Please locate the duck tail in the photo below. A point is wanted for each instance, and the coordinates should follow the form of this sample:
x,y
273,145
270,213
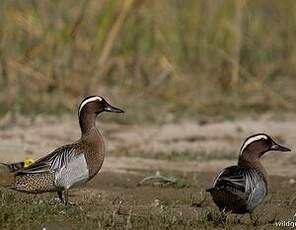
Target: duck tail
x,y
6,175
5,165
13,167
210,190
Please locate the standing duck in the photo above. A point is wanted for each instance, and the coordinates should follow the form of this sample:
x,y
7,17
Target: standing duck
x,y
241,188
70,165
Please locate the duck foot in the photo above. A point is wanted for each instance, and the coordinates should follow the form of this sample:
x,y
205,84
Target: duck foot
x,y
71,203
254,219
224,216
64,198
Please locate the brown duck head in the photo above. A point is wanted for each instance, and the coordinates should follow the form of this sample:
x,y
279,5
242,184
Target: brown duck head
x,y
89,108
256,145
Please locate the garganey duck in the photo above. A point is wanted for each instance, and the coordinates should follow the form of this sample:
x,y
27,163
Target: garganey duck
x,y
241,188
70,165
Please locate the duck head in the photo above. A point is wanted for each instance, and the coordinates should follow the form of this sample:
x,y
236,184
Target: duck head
x,y
256,145
96,105
89,108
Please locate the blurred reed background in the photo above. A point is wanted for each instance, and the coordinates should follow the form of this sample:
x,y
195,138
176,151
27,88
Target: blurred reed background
x,y
160,60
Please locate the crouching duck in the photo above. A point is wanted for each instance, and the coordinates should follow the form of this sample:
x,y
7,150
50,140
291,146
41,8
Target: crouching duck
x,y
70,165
241,188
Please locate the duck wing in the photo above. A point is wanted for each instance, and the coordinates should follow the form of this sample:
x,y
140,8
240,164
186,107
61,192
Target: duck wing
x,y
235,179
53,161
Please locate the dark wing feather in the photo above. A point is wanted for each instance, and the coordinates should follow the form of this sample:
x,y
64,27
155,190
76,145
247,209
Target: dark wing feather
x,y
234,179
51,162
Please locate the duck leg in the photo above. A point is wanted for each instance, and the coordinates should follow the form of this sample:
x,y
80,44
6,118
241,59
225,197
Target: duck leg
x,y
253,220
66,196
60,194
238,219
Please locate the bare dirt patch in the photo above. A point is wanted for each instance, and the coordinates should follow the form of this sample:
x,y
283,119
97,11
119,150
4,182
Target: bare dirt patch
x,y
190,152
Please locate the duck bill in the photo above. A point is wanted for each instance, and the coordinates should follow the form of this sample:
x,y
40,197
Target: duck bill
x,y
112,109
278,147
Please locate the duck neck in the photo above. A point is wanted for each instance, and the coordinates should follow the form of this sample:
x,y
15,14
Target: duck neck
x,y
248,161
248,156
87,121
251,161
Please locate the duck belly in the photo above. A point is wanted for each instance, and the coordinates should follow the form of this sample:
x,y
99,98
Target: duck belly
x,y
229,202
73,173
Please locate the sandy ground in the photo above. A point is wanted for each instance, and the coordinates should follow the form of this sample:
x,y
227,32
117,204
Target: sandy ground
x,y
190,152
29,138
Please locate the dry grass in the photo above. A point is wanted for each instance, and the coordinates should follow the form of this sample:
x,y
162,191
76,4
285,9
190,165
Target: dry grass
x,y
114,201
194,56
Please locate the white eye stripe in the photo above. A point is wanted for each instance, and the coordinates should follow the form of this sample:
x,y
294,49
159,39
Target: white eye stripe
x,y
251,140
91,99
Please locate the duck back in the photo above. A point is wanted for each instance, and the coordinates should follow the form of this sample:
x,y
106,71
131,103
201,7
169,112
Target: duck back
x,y
238,189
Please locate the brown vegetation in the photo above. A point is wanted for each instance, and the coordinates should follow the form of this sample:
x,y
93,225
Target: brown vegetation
x,y
193,56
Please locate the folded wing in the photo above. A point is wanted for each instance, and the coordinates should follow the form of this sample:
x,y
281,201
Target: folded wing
x,y
236,180
53,161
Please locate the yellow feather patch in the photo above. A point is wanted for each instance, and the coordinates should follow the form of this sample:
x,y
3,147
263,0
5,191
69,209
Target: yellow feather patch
x,y
28,162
